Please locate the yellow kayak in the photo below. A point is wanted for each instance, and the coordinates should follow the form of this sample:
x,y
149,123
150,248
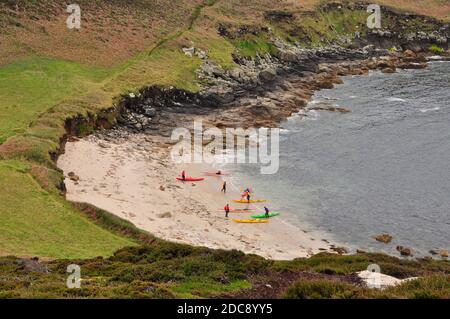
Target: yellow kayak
x,y
251,221
244,201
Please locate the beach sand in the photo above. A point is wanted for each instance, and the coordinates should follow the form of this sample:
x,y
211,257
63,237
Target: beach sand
x,y
134,178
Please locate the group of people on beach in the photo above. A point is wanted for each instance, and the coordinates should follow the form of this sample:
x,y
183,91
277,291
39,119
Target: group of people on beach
x,y
245,195
227,211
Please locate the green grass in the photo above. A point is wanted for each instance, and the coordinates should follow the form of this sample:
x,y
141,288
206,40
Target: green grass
x,y
166,65
345,264
31,86
254,46
321,289
436,49
34,222
436,286
37,94
198,287
168,270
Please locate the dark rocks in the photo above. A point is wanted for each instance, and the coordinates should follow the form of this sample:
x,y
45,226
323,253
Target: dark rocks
x,y
384,238
33,265
278,16
404,251
267,75
340,250
389,70
73,177
325,106
409,53
326,84
413,65
441,253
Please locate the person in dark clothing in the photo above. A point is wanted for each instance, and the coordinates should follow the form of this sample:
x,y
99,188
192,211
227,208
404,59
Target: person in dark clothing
x,y
183,175
248,197
224,187
227,210
267,211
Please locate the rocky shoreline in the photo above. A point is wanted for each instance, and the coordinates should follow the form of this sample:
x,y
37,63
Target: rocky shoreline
x,y
259,93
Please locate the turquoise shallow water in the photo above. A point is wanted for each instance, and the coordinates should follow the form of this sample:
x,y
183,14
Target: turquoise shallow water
x,y
383,168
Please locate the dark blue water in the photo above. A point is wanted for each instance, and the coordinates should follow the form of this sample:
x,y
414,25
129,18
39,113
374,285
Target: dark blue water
x,y
383,168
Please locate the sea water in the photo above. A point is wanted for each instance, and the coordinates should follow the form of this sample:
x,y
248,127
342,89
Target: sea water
x,y
382,168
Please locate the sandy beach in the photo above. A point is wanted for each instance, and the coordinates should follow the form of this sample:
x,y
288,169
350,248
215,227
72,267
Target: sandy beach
x,y
134,178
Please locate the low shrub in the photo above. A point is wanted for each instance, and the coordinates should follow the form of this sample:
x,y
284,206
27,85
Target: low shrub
x,y
436,49
322,289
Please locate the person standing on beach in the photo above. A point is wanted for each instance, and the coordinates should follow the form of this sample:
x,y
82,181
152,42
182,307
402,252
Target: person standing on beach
x,y
248,197
227,210
183,175
267,211
224,187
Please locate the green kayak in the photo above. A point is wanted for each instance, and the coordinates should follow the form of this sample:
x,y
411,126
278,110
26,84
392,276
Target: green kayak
x,y
264,215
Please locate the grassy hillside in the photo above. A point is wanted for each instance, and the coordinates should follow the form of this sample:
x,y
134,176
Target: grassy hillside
x,y
42,82
167,270
49,73
35,223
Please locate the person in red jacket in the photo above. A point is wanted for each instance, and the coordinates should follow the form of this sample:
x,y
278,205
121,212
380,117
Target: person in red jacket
x,y
227,210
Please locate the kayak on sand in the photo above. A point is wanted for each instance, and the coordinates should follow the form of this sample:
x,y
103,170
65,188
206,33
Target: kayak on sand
x,y
215,174
238,210
251,221
190,179
244,201
265,216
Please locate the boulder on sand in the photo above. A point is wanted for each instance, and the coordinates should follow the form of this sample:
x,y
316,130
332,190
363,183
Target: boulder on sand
x,y
73,177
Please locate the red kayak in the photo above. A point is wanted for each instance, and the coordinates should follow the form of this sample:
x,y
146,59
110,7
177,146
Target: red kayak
x,y
190,179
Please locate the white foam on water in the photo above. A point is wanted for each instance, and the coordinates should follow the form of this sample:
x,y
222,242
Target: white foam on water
x,y
435,57
312,115
395,99
431,109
